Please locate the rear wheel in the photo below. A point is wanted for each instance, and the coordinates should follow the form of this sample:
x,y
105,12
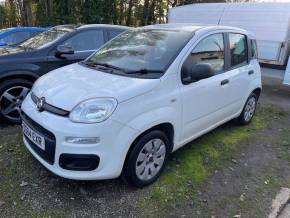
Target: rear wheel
x,y
12,94
147,159
248,110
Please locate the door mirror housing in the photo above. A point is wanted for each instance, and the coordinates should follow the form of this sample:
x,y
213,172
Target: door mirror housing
x,y
201,71
63,50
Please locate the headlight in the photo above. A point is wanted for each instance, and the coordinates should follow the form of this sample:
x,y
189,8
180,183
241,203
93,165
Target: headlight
x,y
93,110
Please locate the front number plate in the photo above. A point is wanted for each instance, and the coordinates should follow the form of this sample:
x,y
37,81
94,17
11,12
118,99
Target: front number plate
x,y
33,136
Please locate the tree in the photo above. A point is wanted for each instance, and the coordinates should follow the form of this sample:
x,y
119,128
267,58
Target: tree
x,y
2,16
129,14
12,14
43,13
27,19
55,12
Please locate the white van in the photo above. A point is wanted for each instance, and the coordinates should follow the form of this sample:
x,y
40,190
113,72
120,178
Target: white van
x,y
269,22
140,97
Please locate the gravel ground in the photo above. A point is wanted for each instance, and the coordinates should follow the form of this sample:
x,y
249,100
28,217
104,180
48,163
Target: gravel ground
x,y
244,186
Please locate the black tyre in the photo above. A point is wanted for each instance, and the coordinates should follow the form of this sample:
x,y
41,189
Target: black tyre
x,y
12,94
249,110
147,159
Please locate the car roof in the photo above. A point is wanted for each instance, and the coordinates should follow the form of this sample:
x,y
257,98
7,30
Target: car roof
x,y
73,27
104,25
174,26
191,27
16,29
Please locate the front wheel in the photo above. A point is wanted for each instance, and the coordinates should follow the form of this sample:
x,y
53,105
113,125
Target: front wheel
x,y
147,159
12,94
248,110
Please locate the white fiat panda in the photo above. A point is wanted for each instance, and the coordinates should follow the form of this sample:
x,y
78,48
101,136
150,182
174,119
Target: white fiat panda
x,y
140,97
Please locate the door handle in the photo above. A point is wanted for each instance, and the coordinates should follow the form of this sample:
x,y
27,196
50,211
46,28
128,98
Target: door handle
x,y
224,82
251,72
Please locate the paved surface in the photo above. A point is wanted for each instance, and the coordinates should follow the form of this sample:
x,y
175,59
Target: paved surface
x,y
279,204
286,212
273,73
274,92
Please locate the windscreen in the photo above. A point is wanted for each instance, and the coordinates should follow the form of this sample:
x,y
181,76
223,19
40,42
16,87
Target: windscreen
x,y
142,50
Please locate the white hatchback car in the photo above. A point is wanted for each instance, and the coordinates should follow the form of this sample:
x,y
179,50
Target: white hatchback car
x,y
140,97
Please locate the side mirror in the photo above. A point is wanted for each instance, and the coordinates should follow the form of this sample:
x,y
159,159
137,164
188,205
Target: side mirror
x,y
63,50
201,71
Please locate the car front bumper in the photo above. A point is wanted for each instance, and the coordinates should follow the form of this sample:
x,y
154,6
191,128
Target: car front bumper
x,y
115,139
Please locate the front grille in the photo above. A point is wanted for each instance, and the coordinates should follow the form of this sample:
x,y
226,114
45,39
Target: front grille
x,y
50,142
50,108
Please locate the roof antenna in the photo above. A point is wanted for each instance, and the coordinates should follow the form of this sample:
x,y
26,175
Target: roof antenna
x,y
222,15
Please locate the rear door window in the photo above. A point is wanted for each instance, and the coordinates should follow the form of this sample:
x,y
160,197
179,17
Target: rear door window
x,y
238,49
86,41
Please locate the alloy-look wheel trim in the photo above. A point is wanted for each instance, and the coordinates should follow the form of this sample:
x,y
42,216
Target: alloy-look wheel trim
x,y
250,109
11,100
150,159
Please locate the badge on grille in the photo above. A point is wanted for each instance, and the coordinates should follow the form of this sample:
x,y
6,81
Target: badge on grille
x,y
40,103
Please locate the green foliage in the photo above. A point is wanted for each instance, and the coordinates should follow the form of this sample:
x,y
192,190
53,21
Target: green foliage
x,y
2,15
55,12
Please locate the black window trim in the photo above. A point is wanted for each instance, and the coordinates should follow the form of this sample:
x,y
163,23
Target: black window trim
x,y
230,67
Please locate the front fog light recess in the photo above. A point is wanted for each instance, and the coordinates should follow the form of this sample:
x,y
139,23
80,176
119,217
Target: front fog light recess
x,y
82,140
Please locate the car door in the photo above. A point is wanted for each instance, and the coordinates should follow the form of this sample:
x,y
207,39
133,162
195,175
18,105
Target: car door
x,y
204,101
83,43
240,71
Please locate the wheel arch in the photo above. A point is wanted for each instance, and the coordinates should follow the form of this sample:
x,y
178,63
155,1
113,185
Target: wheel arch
x,y
19,75
165,127
257,91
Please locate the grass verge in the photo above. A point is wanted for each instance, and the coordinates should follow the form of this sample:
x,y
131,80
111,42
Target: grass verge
x,y
191,165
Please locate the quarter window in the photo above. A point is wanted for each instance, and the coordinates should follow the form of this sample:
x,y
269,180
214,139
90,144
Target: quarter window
x,y
85,41
238,49
253,47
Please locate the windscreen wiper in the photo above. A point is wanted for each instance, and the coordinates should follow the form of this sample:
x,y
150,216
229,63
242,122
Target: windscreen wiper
x,y
89,63
144,71
107,66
